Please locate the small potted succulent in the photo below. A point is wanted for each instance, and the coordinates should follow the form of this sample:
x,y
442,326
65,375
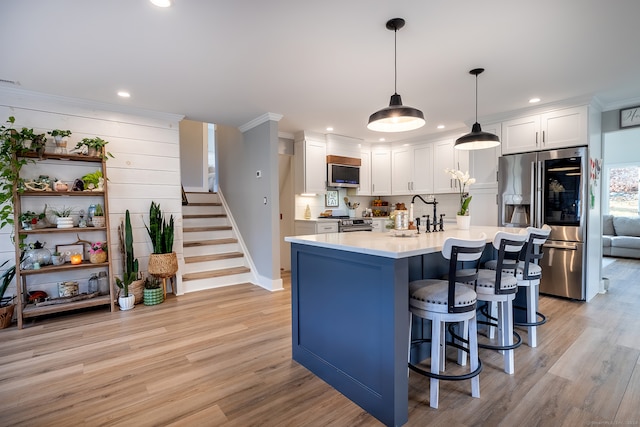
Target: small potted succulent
x,y
64,219
98,219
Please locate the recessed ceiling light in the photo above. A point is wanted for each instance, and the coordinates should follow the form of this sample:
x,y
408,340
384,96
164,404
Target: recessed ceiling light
x,y
162,3
124,94
534,100
329,129
382,140
440,126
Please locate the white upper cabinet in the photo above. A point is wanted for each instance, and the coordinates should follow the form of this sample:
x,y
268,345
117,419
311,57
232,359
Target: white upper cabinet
x,y
310,160
380,171
483,164
365,176
401,170
412,168
556,129
445,156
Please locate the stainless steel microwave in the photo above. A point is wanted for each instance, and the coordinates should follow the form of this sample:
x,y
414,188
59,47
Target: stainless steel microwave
x,y
343,175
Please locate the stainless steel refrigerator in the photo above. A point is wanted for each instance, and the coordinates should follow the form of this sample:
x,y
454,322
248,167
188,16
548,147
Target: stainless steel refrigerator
x,y
550,187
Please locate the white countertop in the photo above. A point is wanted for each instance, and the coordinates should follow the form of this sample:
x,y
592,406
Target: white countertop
x,y
389,246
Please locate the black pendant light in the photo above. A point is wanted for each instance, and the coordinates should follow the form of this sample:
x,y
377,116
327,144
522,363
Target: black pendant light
x,y
396,117
477,139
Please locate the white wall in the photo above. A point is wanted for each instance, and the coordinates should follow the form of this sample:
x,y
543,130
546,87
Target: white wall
x,y
146,166
194,155
241,154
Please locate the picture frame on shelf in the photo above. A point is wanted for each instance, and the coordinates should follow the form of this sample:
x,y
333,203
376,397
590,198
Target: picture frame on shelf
x,y
68,250
630,117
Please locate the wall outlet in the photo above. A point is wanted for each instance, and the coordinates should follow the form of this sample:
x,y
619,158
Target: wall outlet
x,y
258,174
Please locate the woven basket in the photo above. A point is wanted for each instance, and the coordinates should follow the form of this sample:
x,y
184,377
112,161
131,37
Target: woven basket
x,y
163,265
6,316
136,288
153,296
98,257
99,221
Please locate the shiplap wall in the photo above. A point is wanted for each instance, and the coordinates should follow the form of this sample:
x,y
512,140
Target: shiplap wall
x,y
145,167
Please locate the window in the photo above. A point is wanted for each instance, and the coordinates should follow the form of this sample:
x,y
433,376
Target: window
x,y
623,190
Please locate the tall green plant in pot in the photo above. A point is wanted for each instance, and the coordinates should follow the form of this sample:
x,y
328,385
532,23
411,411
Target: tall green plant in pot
x,y
163,262
126,300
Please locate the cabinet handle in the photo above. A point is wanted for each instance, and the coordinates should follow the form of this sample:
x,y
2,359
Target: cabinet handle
x,y
373,188
536,139
543,138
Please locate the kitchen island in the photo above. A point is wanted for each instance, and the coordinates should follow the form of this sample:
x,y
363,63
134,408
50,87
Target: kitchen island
x,y
350,309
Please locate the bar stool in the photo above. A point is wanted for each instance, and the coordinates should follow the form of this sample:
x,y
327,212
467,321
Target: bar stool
x,y
528,273
499,286
443,301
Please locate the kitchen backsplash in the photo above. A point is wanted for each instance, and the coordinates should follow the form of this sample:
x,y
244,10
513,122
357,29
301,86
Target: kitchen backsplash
x,y
447,204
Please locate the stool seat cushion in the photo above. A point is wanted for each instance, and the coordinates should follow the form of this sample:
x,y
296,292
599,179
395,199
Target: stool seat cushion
x,y
534,269
487,281
431,295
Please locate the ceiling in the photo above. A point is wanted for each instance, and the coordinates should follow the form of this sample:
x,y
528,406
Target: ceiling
x,y
324,63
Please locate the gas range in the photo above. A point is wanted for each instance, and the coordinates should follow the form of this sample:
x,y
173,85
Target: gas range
x,y
354,224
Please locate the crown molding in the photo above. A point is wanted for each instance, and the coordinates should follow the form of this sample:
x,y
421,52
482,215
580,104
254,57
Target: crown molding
x,y
260,120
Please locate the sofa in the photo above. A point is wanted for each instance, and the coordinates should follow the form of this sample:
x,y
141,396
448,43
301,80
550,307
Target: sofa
x,y
621,236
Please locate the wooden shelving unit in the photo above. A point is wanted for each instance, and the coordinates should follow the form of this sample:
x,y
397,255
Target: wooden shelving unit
x,y
51,165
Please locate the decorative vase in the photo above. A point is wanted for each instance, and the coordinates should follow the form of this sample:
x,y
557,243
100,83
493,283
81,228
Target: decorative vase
x,y
153,296
127,303
98,221
64,222
463,222
98,257
163,265
92,152
61,145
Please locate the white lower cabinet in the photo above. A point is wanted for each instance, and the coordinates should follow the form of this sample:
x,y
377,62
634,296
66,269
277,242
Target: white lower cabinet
x,y
305,227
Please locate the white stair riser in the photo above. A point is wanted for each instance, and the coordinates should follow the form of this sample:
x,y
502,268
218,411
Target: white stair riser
x,y
197,267
211,249
202,198
200,210
198,236
215,282
205,222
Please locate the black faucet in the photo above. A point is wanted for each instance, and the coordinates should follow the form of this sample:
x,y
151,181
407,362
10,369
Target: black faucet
x,y
435,213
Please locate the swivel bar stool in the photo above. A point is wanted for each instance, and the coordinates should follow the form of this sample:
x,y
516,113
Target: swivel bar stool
x,y
442,301
528,273
499,286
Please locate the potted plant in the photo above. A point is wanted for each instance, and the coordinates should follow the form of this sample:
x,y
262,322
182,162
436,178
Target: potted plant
x,y
10,166
93,181
152,291
163,262
98,252
98,219
60,139
126,299
462,216
64,219
57,258
93,147
29,219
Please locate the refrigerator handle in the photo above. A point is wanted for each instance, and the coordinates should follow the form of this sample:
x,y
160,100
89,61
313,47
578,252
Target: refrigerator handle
x,y
539,191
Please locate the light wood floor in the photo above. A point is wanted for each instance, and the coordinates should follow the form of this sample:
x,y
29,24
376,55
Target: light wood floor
x,y
223,358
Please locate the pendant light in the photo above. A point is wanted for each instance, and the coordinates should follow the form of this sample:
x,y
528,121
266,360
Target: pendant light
x,y
396,117
477,139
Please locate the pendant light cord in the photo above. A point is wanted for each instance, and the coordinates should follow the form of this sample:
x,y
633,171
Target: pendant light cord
x,y
395,60
476,98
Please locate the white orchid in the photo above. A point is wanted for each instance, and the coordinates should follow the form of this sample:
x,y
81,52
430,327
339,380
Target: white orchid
x,y
463,180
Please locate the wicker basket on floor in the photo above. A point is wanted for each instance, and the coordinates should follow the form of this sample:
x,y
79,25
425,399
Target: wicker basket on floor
x,y
6,316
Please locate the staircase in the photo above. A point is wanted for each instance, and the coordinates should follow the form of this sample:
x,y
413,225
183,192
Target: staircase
x,y
212,254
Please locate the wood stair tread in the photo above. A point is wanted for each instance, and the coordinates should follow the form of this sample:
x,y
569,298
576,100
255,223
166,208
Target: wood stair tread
x,y
209,242
204,204
215,273
211,228
212,257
